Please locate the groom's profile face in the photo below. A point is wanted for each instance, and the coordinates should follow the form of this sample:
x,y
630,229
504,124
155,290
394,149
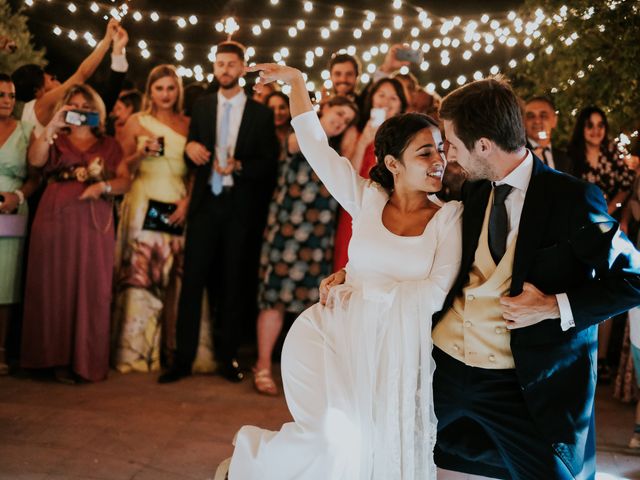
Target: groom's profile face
x,y
476,165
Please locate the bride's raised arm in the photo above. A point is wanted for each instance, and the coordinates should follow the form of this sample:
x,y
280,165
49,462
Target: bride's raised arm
x,y
336,172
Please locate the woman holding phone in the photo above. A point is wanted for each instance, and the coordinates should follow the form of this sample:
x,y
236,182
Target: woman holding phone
x,y
68,289
386,99
150,240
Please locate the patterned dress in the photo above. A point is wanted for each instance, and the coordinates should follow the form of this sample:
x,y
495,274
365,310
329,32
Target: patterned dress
x,y
298,248
148,263
611,175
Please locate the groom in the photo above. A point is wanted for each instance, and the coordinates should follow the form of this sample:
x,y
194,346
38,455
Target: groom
x,y
542,264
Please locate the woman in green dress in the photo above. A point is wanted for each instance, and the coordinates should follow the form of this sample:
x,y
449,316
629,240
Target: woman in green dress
x,y
16,184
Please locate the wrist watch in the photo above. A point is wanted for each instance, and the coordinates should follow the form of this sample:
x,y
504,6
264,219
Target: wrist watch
x,y
106,188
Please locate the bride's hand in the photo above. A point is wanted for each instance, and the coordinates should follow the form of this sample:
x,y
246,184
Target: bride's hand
x,y
272,72
332,280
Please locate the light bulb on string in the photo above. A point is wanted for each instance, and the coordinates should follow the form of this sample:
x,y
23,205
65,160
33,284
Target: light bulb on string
x,y
445,84
193,20
256,30
431,87
72,8
300,24
154,16
339,12
181,22
266,24
357,33
424,66
293,31
319,51
308,6
94,7
137,16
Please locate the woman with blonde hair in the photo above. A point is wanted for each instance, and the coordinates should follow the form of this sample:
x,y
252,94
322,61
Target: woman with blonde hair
x,y
150,237
68,289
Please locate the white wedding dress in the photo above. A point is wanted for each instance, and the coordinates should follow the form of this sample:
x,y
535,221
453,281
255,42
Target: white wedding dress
x,y
357,373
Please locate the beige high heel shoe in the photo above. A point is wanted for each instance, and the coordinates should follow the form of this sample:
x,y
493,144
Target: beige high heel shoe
x,y
222,472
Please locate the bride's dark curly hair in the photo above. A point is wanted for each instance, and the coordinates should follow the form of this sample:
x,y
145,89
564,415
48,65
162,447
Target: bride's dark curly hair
x,y
392,138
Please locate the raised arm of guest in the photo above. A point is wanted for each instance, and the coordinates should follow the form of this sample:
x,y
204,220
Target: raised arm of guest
x,y
119,68
45,105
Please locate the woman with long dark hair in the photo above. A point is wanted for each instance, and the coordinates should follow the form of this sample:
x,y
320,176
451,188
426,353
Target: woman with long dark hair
x,y
595,161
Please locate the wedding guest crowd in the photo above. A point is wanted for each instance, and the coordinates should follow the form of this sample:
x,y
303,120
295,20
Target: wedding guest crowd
x,y
221,215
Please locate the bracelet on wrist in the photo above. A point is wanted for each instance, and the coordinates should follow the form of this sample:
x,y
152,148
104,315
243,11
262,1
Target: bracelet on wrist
x,y
18,193
106,188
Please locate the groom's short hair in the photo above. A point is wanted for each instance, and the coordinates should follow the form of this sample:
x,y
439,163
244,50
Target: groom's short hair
x,y
486,108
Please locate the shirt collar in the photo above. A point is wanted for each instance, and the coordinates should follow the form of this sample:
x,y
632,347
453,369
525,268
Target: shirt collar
x,y
521,175
535,144
236,100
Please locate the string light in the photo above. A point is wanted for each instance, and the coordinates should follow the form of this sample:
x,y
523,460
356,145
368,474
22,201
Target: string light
x,y
482,33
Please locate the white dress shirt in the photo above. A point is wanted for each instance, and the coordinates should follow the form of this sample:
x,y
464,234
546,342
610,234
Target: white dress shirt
x,y
519,179
238,103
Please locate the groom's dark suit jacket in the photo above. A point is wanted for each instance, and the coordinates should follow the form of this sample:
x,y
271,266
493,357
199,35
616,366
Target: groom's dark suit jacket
x,y
567,243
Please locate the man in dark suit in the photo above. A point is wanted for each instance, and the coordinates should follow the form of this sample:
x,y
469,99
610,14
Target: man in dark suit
x,y
233,149
540,120
542,264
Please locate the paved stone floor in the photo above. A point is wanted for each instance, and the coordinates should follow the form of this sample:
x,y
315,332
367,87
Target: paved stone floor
x,y
131,428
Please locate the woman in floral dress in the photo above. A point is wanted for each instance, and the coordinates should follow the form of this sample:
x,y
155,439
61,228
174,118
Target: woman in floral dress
x,y
298,246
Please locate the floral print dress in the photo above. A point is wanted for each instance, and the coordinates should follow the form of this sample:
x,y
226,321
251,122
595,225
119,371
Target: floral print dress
x,y
611,175
298,248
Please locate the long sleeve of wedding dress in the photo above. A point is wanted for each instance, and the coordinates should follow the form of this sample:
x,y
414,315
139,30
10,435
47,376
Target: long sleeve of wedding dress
x,y
336,172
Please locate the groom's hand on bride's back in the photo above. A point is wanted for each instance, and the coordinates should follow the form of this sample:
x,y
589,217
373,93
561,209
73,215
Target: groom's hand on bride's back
x,y
331,281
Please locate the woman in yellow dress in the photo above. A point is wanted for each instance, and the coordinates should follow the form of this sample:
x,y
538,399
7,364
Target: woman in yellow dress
x,y
149,251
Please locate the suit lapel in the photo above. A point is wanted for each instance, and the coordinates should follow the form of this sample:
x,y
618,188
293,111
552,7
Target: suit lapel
x,y
210,128
475,206
534,211
243,131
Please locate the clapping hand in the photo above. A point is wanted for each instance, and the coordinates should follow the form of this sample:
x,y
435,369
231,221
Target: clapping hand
x,y
228,169
112,30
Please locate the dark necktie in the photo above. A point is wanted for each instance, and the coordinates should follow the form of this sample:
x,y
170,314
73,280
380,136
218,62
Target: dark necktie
x,y
498,223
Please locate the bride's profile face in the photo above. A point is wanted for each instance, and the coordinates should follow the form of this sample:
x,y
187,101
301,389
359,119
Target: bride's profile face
x,y
423,164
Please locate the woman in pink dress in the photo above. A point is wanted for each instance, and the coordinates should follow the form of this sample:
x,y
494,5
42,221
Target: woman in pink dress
x,y
68,290
386,95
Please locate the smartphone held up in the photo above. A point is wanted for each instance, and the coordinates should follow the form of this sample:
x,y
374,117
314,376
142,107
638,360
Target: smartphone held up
x,y
82,118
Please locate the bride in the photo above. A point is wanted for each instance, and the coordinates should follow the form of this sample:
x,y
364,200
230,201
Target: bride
x,y
357,372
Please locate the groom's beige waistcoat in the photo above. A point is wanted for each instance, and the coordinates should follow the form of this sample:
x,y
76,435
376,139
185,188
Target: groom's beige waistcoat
x,y
473,330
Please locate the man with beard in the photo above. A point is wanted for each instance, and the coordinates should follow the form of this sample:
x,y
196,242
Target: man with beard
x,y
542,265
233,151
